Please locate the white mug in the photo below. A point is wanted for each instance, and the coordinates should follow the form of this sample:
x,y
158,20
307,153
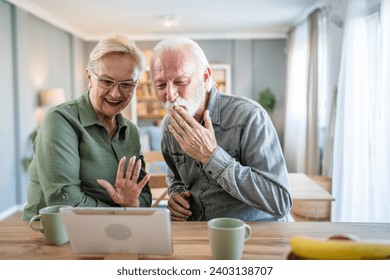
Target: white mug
x,y
227,237
52,226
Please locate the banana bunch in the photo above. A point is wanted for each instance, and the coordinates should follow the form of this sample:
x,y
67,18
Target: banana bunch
x,y
339,249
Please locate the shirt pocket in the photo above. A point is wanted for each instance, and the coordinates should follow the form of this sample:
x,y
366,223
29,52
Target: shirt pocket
x,y
180,163
179,158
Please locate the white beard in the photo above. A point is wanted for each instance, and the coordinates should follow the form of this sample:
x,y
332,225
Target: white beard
x,y
192,104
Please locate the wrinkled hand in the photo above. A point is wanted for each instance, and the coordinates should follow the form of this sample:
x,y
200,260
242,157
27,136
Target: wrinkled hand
x,y
179,206
197,141
126,190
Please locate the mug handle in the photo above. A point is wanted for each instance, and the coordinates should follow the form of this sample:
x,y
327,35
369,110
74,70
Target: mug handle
x,y
248,232
33,219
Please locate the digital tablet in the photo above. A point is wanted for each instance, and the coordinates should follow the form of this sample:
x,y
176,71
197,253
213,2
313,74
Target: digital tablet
x,y
109,230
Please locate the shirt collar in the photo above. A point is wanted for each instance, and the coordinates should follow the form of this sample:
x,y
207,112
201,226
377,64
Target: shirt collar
x,y
87,114
213,106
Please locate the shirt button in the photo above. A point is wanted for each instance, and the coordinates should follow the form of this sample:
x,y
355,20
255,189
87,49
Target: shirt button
x,y
65,196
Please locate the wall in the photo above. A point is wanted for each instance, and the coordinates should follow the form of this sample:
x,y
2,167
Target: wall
x,y
35,56
269,70
8,136
79,64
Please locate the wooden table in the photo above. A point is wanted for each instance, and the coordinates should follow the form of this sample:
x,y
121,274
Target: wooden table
x,y
269,241
304,188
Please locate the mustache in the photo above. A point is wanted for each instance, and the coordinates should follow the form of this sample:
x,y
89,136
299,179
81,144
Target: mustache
x,y
177,102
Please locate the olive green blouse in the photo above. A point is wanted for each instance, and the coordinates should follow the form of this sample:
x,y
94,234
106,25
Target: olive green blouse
x,y
72,151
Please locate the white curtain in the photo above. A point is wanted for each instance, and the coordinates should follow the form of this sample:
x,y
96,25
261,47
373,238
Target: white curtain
x,y
361,177
296,98
306,89
384,102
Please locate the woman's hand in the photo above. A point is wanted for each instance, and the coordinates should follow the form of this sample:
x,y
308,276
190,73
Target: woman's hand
x,y
126,190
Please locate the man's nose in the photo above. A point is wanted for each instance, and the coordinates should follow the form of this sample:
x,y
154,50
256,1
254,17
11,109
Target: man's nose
x,y
172,92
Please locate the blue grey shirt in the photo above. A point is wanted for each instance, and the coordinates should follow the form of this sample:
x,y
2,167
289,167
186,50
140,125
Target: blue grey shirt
x,y
246,176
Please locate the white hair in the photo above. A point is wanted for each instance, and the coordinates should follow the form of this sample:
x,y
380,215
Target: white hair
x,y
194,48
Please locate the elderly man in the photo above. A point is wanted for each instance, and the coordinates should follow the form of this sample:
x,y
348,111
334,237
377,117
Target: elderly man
x,y
222,151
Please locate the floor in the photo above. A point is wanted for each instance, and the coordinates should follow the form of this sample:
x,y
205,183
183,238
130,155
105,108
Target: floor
x,y
15,217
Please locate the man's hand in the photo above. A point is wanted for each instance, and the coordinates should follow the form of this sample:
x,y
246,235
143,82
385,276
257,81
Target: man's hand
x,y
197,141
179,206
126,190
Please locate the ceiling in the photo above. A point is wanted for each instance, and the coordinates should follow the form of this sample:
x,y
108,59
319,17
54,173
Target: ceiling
x,y
198,19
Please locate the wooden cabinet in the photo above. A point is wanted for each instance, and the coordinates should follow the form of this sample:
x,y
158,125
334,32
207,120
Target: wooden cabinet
x,y
145,107
148,105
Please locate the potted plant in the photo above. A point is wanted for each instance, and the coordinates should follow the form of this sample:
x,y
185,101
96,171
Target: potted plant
x,y
267,99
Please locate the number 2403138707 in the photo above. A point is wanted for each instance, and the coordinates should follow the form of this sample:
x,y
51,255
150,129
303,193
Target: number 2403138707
x,y
252,270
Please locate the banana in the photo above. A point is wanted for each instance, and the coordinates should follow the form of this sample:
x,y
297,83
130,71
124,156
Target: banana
x,y
311,248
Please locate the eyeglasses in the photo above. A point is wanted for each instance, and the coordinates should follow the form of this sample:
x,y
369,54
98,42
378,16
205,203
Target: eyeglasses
x,y
125,86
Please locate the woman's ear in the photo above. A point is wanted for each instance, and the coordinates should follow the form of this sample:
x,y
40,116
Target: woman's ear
x,y
88,76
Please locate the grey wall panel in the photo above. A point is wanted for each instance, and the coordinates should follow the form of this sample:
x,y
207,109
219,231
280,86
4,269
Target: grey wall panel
x,y
80,61
242,68
44,61
8,186
269,58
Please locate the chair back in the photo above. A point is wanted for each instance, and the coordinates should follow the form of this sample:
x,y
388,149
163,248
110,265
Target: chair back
x,y
157,182
152,158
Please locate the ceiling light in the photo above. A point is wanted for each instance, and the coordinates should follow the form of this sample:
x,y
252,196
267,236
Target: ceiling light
x,y
170,21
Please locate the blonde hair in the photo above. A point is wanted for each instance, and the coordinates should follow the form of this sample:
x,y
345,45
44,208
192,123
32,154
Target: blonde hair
x,y
120,43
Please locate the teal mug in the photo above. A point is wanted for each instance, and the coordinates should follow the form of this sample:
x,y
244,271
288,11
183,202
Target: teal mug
x,y
52,226
227,238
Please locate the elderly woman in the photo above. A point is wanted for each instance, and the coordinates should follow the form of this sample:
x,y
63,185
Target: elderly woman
x,y
86,152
